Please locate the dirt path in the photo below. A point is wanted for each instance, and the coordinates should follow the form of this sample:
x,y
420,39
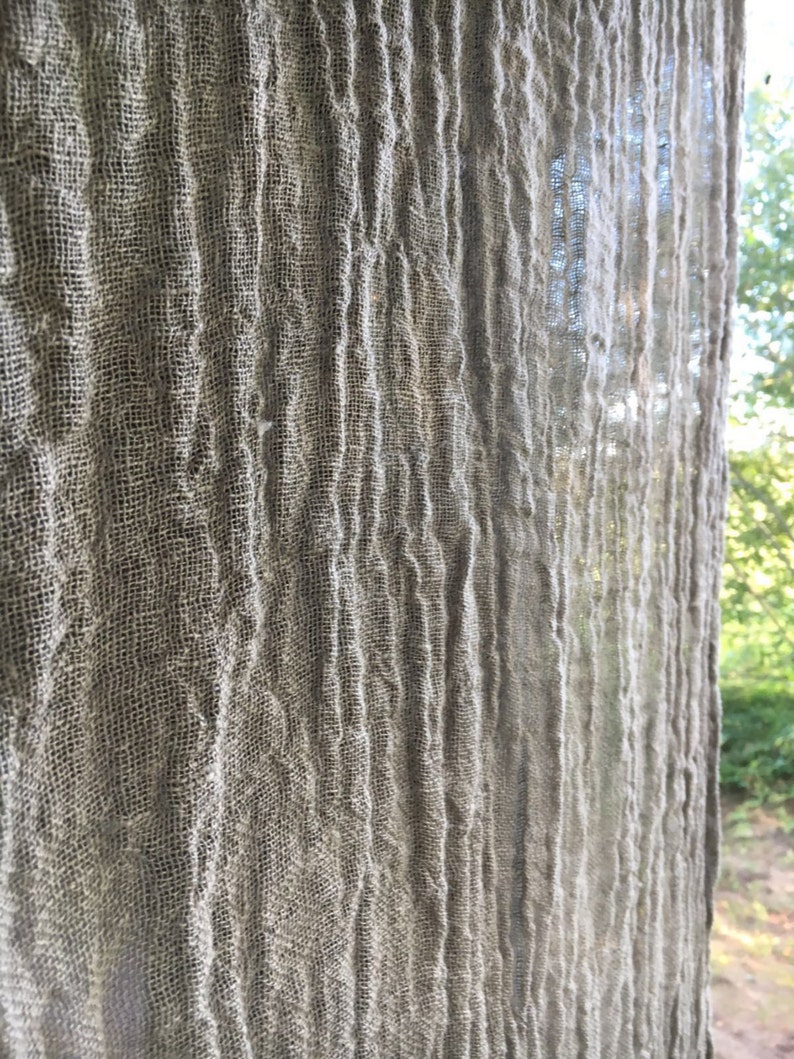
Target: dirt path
x,y
752,951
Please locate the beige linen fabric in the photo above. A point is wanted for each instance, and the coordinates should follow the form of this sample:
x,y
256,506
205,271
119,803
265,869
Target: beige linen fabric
x,y
363,381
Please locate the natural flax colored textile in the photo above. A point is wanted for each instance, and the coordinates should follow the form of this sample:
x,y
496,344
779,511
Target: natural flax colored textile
x,y
364,369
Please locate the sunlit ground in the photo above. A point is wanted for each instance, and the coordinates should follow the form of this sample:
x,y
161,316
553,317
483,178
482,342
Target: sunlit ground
x,y
753,937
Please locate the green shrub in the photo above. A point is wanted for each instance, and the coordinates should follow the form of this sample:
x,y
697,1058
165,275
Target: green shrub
x,y
758,738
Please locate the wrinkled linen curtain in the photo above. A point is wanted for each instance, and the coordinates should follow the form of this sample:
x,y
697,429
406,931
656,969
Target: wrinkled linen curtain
x,y
363,384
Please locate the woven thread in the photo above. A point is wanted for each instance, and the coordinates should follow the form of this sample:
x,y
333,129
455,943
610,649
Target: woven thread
x,y
363,386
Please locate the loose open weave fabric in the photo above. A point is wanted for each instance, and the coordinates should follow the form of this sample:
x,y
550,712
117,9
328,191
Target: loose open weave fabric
x,y
363,384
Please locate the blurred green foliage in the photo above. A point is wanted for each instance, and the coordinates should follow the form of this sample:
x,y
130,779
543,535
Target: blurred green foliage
x,y
766,276
757,660
758,577
758,739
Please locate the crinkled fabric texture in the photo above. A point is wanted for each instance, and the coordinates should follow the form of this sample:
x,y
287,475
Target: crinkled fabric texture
x,y
363,384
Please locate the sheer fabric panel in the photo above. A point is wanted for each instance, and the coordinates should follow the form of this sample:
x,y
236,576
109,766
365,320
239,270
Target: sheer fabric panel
x,y
363,384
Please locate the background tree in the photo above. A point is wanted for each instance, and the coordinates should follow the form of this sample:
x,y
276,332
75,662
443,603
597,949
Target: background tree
x,y
766,283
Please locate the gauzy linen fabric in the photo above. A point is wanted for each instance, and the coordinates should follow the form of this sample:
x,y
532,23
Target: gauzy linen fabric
x,y
363,382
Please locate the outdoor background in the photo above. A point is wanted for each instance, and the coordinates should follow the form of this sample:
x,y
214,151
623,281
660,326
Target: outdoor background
x,y
753,941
